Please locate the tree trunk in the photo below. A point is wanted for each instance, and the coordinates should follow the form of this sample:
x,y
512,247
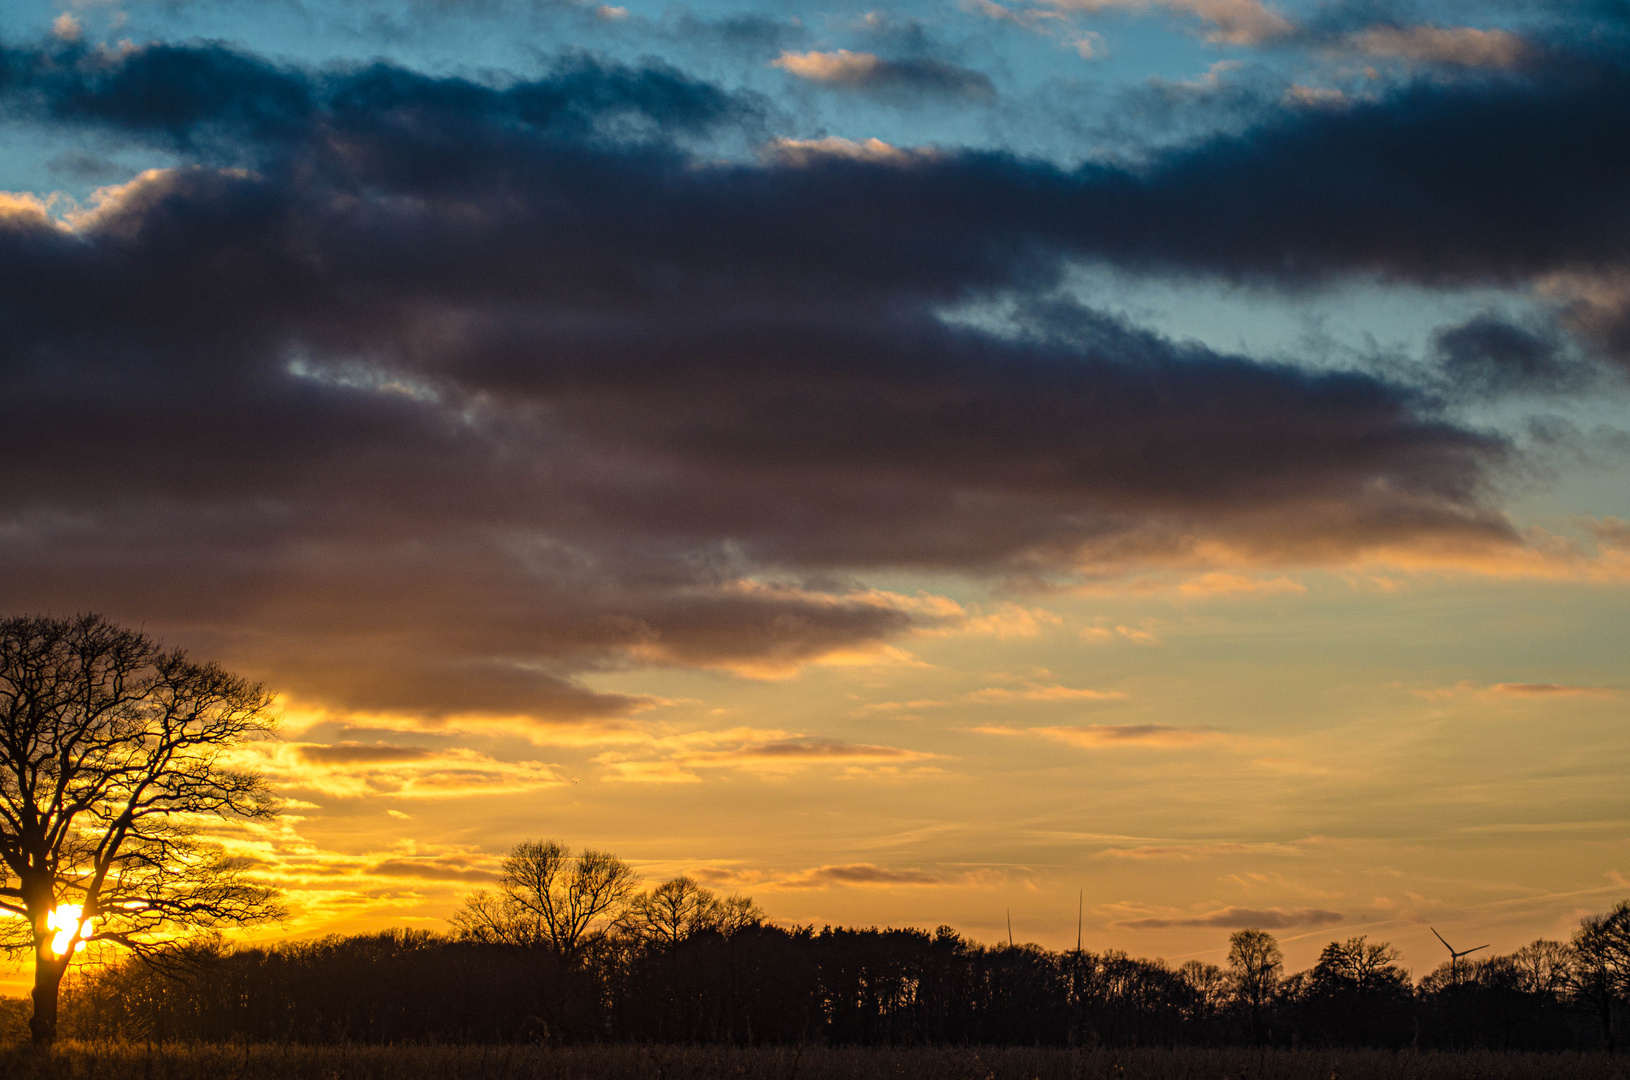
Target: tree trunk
x,y
48,972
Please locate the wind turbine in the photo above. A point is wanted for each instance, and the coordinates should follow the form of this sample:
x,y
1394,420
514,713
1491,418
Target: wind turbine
x,y
1454,957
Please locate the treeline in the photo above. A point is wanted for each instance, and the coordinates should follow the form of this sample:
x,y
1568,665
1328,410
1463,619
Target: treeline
x,y
568,950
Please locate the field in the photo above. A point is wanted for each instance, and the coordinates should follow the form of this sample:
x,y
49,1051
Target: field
x,y
126,1061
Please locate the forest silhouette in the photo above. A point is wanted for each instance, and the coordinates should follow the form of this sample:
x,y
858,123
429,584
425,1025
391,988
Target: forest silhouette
x,y
567,950
115,750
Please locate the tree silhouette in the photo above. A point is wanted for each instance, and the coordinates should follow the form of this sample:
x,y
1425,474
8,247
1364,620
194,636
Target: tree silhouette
x,y
679,909
551,899
1600,974
1255,962
558,910
112,752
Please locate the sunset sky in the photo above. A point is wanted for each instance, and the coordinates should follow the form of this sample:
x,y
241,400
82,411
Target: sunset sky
x,y
913,465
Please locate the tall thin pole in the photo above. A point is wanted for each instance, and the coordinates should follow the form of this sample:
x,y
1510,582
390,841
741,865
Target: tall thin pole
x,y
1080,899
1010,928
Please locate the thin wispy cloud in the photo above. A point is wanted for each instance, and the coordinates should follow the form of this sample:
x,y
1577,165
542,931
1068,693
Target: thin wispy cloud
x,y
1462,45
860,874
1198,851
1518,691
1038,692
683,757
1552,690
1235,22
355,770
1239,918
872,74
1092,736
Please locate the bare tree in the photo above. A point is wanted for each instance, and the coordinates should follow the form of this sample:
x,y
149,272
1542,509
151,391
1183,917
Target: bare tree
x,y
1255,964
678,909
114,752
1359,964
1542,967
549,898
1210,986
1600,973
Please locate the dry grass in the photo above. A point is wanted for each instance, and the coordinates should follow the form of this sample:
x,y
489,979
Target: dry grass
x,y
127,1061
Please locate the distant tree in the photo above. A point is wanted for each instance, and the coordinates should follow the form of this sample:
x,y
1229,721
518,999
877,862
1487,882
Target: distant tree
x,y
1359,964
1542,967
1600,973
113,753
560,910
672,912
1255,964
1358,995
679,909
1210,987
549,898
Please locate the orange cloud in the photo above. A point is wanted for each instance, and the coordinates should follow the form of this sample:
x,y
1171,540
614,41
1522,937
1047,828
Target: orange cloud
x,y
1220,583
841,66
1098,635
1197,851
1096,735
801,152
1551,690
354,770
673,759
1042,692
1235,22
1468,688
1038,692
1463,45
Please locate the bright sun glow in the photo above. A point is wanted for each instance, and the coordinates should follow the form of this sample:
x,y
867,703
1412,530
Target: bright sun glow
x,y
66,922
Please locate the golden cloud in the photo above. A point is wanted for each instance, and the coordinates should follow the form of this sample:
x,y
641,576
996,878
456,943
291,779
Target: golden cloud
x,y
672,759
1531,690
1188,852
819,877
1220,583
351,770
1038,692
1097,735
1553,690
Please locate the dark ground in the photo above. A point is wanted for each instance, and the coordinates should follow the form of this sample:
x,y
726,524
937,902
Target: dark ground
x,y
127,1061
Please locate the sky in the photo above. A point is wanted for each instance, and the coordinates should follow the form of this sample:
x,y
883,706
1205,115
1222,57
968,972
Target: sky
x,y
1161,464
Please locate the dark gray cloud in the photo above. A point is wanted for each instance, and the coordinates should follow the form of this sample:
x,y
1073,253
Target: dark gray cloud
x,y
431,870
1237,918
211,96
1491,356
870,874
423,394
749,33
816,747
904,79
354,753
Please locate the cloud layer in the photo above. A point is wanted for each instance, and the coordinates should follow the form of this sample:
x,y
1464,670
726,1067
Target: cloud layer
x,y
428,395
